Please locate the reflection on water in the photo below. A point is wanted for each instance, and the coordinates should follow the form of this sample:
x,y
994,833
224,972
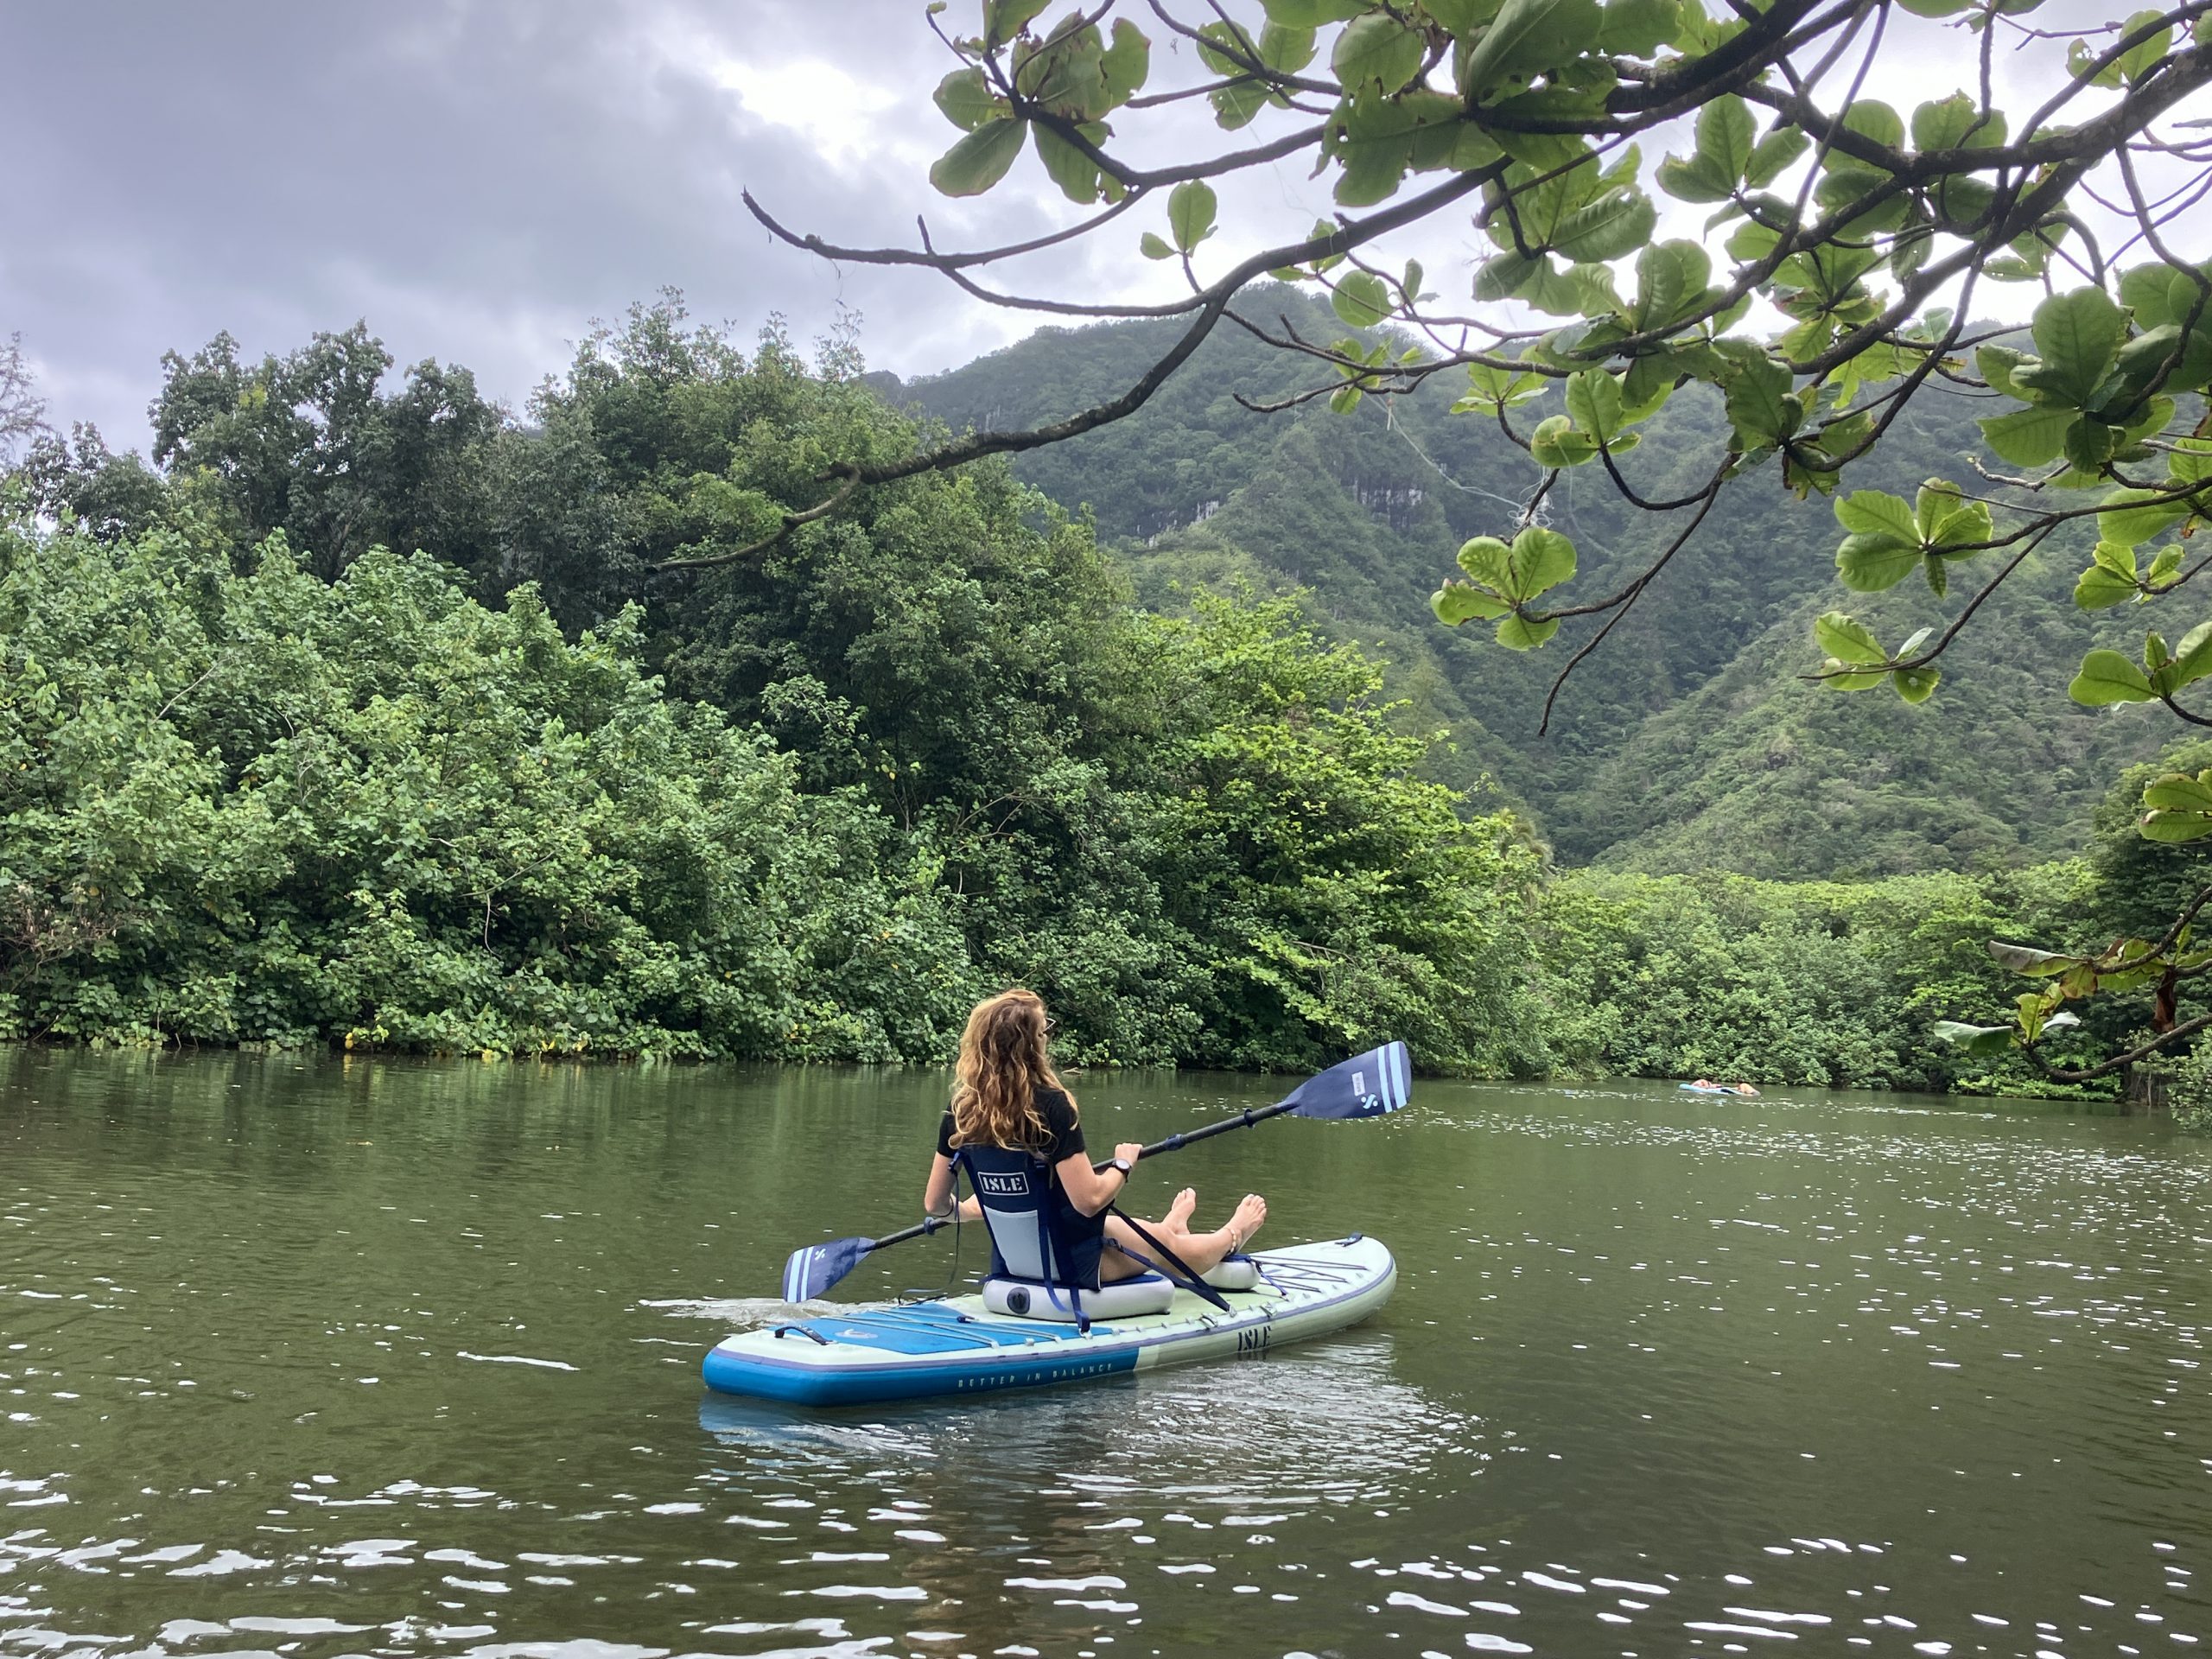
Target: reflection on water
x,y
324,1357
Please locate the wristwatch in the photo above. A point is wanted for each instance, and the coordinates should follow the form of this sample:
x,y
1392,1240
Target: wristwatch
x,y
1124,1166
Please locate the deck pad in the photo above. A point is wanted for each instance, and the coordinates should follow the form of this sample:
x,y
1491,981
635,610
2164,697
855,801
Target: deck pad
x,y
956,1345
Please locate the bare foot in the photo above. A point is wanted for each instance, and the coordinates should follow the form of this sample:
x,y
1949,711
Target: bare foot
x,y
1247,1221
1180,1213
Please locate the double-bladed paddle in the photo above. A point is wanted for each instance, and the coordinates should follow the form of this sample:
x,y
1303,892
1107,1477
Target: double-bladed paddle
x,y
1372,1085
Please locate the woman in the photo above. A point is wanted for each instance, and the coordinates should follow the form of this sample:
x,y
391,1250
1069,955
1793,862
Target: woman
x,y
1005,1095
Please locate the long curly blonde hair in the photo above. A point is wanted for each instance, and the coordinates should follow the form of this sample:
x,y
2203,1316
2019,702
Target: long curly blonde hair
x,y
1003,1065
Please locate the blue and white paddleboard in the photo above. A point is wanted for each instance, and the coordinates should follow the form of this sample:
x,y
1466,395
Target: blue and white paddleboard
x,y
957,1346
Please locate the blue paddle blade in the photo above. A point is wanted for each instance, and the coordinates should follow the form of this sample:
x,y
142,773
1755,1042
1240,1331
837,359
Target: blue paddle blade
x,y
812,1271
1368,1085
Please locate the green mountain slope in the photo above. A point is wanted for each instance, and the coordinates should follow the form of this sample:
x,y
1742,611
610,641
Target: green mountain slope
x,y
1687,740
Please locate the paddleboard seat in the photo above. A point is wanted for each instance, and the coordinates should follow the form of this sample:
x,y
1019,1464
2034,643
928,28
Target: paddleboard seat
x,y
1149,1292
1039,1298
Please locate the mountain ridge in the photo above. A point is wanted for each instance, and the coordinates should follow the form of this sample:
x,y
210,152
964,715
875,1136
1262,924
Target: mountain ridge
x,y
1365,510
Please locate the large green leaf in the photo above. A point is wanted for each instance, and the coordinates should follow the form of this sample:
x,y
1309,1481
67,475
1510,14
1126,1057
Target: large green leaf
x,y
1877,512
2110,580
1760,405
1541,31
1944,518
2029,960
2147,291
1870,563
1541,560
2079,335
2192,656
1004,19
966,99
2132,518
1773,154
1361,299
2141,58
2107,677
2030,437
1916,685
2178,808
1074,171
1637,28
1847,639
1983,1042
1312,14
1377,50
1190,213
1286,50
1997,364
1461,16
1726,134
979,160
1518,633
1457,601
1670,279
1556,443
1947,124
2176,792
1607,228
1488,560
1593,400
1696,179
1870,117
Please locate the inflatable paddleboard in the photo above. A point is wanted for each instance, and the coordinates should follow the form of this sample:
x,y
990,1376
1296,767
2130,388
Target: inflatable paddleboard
x,y
1696,1088
957,1345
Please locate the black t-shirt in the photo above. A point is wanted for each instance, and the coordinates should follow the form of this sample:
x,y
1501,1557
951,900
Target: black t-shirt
x,y
1058,1113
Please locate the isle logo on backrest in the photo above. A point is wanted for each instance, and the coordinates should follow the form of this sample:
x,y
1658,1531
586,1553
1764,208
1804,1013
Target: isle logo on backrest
x,y
1002,1186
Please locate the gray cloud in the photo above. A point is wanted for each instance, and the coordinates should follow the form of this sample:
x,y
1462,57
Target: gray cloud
x,y
479,179
476,178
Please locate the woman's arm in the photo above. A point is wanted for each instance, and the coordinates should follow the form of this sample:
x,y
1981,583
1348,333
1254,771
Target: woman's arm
x,y
1088,1190
936,1196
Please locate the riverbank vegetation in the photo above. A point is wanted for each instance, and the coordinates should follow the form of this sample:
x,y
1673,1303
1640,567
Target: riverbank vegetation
x,y
506,789
267,782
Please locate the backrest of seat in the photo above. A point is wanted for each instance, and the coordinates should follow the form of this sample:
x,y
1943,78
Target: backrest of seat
x,y
1015,1190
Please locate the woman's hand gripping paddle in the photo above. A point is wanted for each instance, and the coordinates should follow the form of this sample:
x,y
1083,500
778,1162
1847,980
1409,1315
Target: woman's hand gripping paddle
x,y
1373,1085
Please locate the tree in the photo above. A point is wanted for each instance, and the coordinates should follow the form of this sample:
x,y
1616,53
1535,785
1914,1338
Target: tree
x,y
1859,246
22,411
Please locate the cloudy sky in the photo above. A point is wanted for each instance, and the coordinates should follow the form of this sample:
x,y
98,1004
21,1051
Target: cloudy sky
x,y
479,179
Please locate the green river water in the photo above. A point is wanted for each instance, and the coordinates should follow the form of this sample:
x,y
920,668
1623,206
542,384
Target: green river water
x,y
322,1357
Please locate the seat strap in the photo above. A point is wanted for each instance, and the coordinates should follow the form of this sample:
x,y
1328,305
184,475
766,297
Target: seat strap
x,y
1171,1265
1049,1258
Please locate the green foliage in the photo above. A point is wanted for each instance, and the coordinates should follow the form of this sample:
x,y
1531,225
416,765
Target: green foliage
x,y
263,808
925,750
1822,983
1333,899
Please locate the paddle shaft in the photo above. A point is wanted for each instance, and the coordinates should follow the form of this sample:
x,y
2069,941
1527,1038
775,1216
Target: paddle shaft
x,y
1243,1120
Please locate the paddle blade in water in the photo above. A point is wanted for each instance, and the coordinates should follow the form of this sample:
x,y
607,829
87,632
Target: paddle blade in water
x,y
1367,1085
812,1271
